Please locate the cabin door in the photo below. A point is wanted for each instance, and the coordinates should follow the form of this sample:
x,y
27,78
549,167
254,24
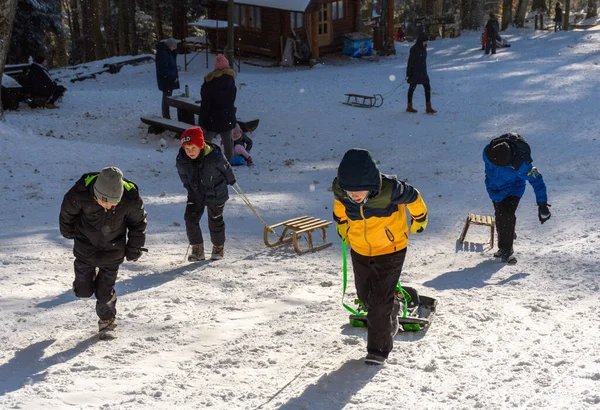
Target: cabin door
x,y
324,22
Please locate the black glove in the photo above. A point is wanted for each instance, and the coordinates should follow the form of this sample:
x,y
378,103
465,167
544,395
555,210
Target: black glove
x,y
132,254
543,211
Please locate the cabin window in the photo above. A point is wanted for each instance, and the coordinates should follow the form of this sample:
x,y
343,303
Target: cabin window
x,y
337,9
248,17
296,20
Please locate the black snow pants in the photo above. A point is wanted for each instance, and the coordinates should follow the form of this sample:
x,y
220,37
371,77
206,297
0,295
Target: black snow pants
x,y
506,221
375,278
88,283
413,87
216,224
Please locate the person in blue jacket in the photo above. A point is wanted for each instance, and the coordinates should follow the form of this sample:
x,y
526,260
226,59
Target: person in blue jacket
x,y
166,71
508,164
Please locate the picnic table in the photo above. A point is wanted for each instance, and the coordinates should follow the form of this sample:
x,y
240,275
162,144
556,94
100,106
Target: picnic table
x,y
187,108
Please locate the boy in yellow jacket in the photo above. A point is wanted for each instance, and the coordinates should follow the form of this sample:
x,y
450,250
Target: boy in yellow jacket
x,y
369,211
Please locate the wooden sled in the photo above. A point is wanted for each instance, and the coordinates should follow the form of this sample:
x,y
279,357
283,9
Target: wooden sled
x,y
248,126
295,227
364,101
479,220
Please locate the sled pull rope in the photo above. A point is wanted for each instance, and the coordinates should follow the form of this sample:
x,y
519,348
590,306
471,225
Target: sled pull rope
x,y
239,191
394,90
406,297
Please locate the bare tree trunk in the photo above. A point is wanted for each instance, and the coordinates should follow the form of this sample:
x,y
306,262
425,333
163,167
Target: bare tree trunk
x,y
178,19
8,8
160,34
88,32
133,41
123,22
592,9
98,38
77,48
507,16
109,28
521,12
566,15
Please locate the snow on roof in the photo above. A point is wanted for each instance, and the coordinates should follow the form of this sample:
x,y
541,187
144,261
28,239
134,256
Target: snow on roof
x,y
211,24
291,5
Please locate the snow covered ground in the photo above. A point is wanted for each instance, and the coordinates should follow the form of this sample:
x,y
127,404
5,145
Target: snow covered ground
x,y
264,328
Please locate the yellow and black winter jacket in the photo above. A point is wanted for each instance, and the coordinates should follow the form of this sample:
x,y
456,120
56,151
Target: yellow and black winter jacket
x,y
378,226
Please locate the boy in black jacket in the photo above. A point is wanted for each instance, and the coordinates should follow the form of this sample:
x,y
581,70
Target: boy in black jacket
x,y
104,214
205,174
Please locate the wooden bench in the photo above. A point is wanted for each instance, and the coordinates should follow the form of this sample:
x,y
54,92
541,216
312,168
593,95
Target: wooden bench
x,y
295,227
159,124
473,219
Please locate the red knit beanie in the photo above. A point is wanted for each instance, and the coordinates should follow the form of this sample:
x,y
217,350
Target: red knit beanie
x,y
194,136
221,62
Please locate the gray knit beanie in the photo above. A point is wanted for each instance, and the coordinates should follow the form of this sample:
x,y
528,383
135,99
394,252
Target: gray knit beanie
x,y
109,185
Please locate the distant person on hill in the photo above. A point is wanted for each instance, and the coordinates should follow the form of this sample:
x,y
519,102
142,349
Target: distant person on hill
x,y
508,165
41,85
205,174
217,109
416,72
242,144
558,17
493,33
166,71
104,214
370,211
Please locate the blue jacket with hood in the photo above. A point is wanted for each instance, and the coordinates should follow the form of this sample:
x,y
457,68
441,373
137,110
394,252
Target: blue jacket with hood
x,y
509,180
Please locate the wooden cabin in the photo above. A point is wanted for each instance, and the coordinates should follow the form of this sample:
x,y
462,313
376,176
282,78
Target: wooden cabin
x,y
265,25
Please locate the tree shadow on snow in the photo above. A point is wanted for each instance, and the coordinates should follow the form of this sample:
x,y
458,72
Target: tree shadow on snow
x,y
467,278
28,367
127,286
334,390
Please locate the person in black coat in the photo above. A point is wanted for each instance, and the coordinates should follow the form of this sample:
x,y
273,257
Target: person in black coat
x,y
205,174
217,112
558,17
167,76
416,72
104,214
493,34
41,85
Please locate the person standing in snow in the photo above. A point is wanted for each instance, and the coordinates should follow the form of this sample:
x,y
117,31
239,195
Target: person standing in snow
x,y
167,75
217,109
104,214
369,209
416,72
508,164
493,33
558,17
205,174
40,84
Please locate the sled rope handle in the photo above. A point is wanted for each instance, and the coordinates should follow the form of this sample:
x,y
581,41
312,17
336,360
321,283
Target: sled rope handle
x,y
394,90
405,296
239,191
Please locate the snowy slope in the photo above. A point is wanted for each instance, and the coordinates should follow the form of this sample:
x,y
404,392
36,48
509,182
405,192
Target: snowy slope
x,y
264,328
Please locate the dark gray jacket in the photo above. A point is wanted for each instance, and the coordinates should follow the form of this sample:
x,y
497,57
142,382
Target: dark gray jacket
x,y
206,177
101,235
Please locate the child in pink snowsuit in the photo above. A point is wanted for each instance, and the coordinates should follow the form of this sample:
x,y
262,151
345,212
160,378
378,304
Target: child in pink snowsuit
x,y
242,144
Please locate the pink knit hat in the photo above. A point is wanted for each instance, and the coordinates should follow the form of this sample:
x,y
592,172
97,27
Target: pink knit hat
x,y
221,62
